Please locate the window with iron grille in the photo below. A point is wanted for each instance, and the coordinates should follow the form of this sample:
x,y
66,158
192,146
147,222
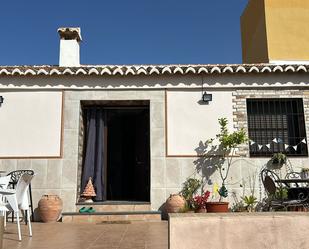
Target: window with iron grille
x,y
276,125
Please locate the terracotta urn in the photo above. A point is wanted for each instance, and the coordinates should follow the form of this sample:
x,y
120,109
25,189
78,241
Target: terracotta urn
x,y
217,207
174,203
50,207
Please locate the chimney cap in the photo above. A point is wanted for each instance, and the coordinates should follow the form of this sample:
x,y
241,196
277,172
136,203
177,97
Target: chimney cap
x,y
70,33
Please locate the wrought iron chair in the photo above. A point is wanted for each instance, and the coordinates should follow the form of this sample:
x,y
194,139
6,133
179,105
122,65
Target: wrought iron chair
x,y
269,178
293,175
274,189
15,176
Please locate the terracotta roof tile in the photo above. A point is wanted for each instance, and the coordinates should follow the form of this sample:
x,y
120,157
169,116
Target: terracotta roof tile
x,y
153,69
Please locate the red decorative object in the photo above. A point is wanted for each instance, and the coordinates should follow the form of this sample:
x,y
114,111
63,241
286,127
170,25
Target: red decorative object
x,y
199,201
89,191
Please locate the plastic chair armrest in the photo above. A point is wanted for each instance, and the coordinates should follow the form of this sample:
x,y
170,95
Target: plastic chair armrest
x,y
7,191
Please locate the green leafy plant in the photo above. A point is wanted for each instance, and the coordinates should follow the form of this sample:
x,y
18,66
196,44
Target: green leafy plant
x,y
278,158
238,207
250,201
281,193
186,208
228,144
304,169
189,189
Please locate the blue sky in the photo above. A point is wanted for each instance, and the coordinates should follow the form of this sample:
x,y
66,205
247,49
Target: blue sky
x,y
123,31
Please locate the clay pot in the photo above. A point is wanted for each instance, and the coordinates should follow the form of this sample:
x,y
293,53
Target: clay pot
x,y
217,207
174,203
201,210
298,209
50,207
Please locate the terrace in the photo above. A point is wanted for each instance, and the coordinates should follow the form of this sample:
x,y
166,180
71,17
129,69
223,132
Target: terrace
x,y
138,235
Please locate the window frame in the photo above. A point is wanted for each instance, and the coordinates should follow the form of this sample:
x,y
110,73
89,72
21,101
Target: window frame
x,y
286,122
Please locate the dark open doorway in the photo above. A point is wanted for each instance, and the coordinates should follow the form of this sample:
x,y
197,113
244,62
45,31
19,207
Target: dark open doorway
x,y
126,164
128,154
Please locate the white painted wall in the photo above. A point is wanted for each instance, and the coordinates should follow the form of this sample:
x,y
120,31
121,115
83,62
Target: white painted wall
x,y
167,173
69,53
189,122
30,124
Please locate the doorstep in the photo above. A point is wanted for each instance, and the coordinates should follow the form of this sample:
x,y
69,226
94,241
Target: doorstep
x,y
116,206
99,217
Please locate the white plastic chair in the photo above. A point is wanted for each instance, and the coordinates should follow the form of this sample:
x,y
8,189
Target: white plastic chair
x,y
18,200
4,182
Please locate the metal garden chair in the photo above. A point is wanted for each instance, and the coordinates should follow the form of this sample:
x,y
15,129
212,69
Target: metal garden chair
x,y
274,189
293,175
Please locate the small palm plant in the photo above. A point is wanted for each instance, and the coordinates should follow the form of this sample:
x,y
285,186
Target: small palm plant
x,y
250,201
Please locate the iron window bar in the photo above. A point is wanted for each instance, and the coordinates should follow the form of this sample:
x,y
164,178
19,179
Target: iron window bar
x,y
276,118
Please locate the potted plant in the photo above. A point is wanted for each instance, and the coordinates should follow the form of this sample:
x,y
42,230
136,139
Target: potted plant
x,y
189,189
304,174
278,159
250,201
199,202
182,202
239,207
228,143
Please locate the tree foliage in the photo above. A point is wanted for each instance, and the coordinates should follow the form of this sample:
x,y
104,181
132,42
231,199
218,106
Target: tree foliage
x,y
228,142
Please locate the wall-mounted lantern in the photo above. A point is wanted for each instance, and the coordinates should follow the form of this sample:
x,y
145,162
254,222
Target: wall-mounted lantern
x,y
206,97
1,100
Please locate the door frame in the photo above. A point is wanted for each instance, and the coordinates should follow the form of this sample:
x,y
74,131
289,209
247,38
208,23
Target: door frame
x,y
119,104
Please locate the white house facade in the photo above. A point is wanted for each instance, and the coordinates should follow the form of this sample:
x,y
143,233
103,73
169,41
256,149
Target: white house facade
x,y
139,131
42,119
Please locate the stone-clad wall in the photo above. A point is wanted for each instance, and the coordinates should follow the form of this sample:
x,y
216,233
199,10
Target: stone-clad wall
x,y
240,109
55,176
157,132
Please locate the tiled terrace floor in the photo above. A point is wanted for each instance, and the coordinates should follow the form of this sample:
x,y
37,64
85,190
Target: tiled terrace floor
x,y
137,235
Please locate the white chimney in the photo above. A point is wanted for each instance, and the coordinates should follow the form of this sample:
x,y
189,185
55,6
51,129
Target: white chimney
x,y
69,47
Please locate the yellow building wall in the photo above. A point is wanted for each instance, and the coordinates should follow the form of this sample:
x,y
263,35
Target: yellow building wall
x,y
253,33
287,25
275,30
